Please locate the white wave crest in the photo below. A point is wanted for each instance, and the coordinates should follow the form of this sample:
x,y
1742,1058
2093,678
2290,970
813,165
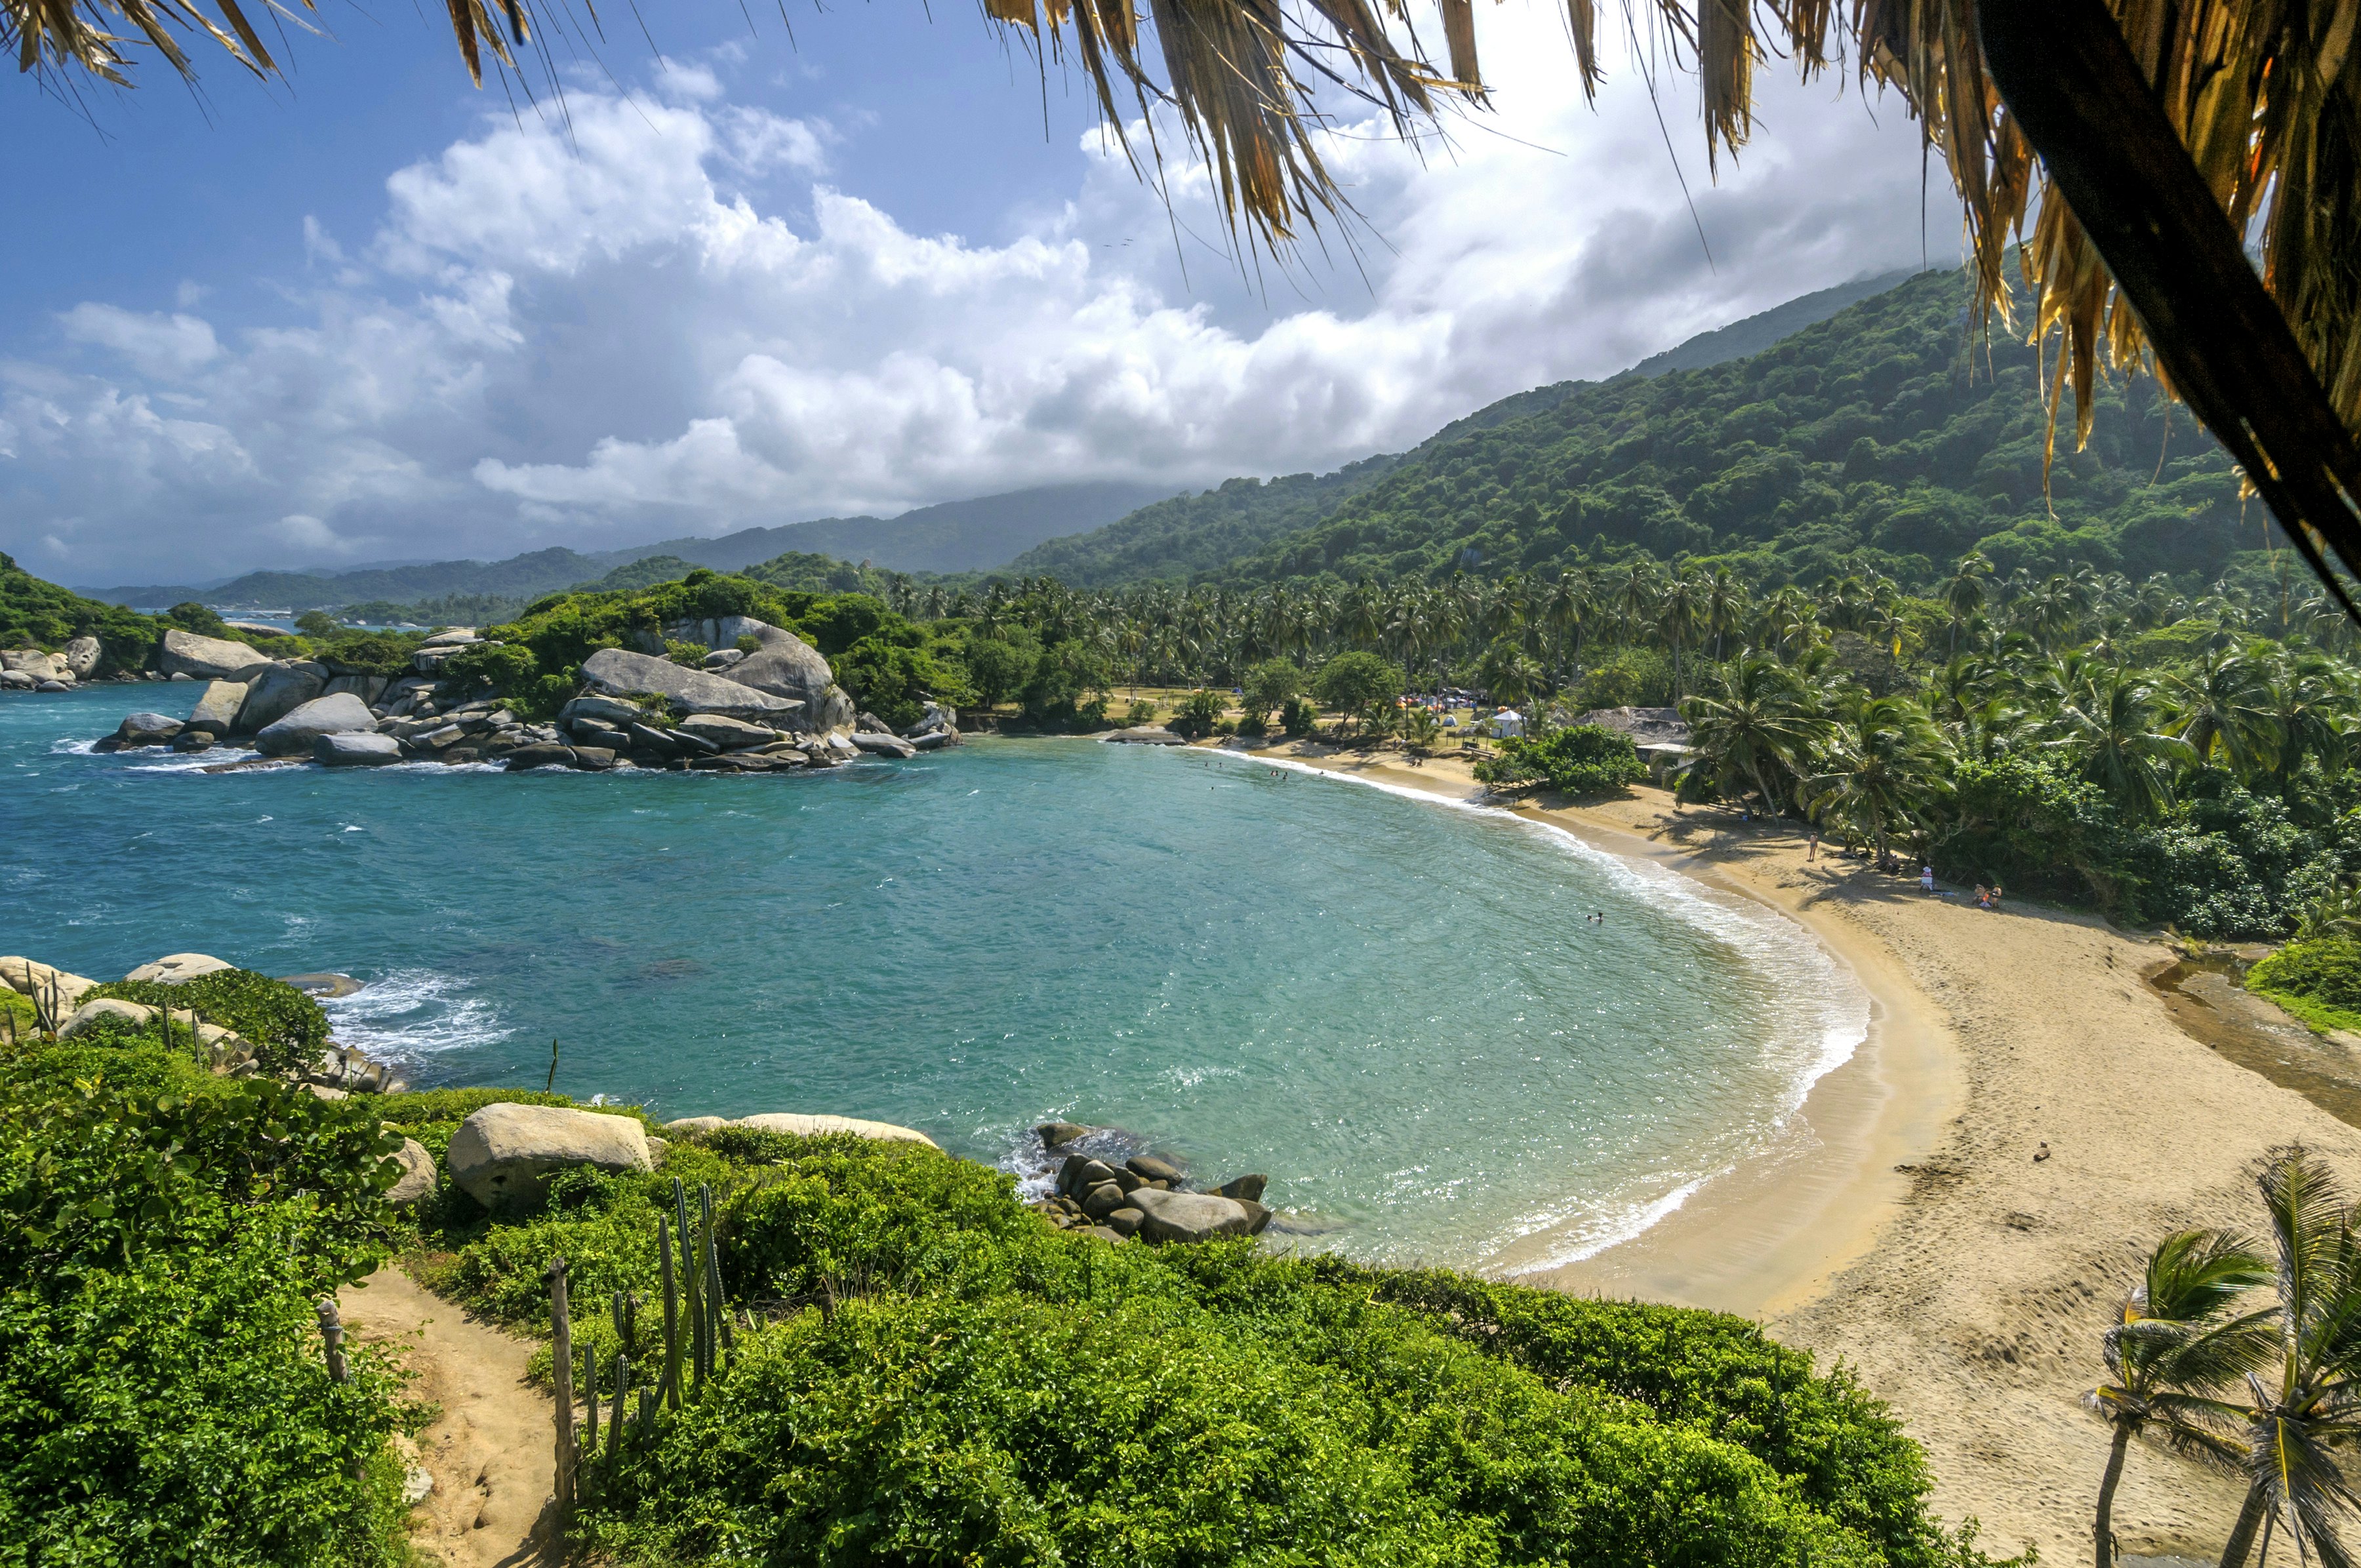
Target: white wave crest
x,y
411,1014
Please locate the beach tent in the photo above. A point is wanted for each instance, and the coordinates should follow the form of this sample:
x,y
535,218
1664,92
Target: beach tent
x,y
1507,722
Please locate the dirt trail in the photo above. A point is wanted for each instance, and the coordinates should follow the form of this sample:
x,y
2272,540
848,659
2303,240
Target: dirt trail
x,y
491,1451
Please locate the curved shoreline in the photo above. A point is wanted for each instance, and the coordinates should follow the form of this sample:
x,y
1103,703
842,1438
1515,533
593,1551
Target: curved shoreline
x,y
1766,1234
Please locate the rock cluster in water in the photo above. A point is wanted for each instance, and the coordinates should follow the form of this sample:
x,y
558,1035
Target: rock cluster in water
x,y
30,669
763,701
1145,1196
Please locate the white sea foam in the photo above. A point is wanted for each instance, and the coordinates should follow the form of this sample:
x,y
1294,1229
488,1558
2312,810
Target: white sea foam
x,y
1823,1009
414,1012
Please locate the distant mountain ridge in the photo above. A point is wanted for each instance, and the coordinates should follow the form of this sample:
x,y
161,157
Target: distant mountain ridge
x,y
1188,535
952,536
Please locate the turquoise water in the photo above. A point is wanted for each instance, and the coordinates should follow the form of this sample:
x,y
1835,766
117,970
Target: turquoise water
x,y
1396,1010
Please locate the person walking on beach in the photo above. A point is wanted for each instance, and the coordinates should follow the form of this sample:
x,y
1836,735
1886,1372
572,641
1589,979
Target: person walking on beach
x,y
1927,878
1811,844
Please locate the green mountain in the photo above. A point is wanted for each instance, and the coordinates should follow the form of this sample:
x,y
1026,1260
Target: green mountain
x,y
1190,536
955,536
519,578
1890,436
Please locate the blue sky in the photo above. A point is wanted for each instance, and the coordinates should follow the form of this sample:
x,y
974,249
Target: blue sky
x,y
371,314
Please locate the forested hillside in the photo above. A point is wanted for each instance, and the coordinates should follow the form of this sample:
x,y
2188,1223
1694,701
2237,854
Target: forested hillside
x,y
1191,536
1891,437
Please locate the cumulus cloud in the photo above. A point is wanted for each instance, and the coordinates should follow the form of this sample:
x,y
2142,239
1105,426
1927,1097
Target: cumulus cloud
x,y
665,317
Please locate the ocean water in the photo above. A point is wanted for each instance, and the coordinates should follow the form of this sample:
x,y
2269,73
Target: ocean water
x,y
1395,1009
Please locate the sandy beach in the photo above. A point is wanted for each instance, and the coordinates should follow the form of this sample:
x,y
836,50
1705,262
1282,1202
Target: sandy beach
x,y
1958,1209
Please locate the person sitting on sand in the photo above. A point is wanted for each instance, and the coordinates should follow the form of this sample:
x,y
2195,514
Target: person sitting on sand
x,y
1995,903
1984,896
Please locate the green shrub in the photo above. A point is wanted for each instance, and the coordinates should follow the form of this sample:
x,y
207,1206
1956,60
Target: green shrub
x,y
1298,718
1581,759
1199,712
1141,711
1358,684
2319,981
163,1236
286,1027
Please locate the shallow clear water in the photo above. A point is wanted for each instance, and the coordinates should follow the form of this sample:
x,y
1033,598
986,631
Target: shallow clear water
x,y
1396,1010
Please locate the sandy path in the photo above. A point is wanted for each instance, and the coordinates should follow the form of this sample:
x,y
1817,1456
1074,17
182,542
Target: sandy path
x,y
492,1450
1969,1291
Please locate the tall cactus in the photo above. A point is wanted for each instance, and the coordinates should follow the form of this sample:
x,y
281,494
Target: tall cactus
x,y
672,1316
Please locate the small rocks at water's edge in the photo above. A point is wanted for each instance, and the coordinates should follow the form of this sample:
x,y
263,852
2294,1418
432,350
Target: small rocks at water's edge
x,y
764,702
1144,1197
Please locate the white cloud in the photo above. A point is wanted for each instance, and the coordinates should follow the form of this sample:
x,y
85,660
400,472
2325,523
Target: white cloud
x,y
660,318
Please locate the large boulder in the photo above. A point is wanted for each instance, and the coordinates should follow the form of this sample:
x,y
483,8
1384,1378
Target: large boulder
x,y
218,708
278,689
292,735
1190,1216
452,637
40,981
596,709
90,1014
178,968
615,671
32,661
206,658
878,743
355,750
504,1155
782,663
82,656
813,1126
417,1175
728,734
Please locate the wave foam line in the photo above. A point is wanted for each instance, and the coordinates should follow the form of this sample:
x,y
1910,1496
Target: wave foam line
x,y
1831,1006
407,1013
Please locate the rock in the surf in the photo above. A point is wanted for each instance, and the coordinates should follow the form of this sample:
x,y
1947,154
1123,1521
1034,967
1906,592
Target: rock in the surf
x,y
292,735
1057,1133
878,743
726,733
1147,1167
1245,1188
1183,1217
356,750
206,658
539,754
140,730
277,690
503,1155
218,708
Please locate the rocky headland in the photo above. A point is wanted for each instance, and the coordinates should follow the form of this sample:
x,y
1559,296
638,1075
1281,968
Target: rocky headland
x,y
760,699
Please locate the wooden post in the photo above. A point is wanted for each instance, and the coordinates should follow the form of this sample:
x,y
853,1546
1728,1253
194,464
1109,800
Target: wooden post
x,y
332,1329
562,1367
672,1316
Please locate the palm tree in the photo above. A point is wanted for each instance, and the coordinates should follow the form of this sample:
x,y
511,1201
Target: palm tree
x,y
1880,770
1677,612
2108,720
2304,1414
2175,1340
1760,718
1963,593
2222,706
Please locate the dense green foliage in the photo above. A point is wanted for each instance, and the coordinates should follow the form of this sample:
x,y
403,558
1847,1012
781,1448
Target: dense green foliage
x,y
1191,536
286,1027
163,1234
885,662
2318,980
1578,759
36,614
1360,684
1890,438
944,1378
